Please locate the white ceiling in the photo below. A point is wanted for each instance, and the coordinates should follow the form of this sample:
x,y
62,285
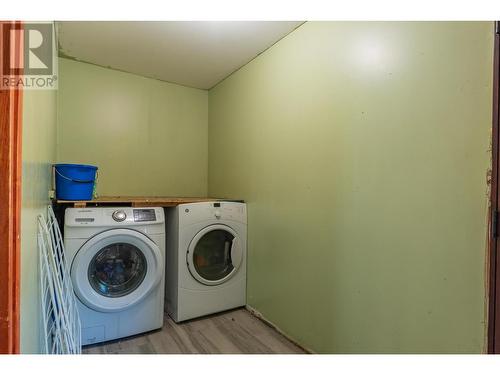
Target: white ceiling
x,y
192,53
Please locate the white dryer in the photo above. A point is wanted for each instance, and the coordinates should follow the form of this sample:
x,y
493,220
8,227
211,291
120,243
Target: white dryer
x,y
117,258
206,258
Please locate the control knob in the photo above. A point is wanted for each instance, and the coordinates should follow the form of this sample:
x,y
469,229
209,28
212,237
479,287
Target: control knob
x,y
119,215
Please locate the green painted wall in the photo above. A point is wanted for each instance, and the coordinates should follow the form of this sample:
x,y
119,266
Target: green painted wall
x,y
362,151
39,152
38,155
148,137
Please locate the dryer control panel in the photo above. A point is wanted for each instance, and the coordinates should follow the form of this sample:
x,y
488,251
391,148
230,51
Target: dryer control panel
x,y
216,211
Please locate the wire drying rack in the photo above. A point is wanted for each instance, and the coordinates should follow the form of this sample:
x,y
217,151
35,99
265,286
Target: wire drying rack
x,y
61,329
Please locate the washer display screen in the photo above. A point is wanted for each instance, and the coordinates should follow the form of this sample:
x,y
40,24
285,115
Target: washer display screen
x,y
144,215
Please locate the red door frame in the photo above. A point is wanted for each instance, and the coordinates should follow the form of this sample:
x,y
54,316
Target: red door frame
x,y
10,198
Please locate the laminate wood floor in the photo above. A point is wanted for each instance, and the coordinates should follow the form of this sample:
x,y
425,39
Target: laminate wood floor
x,y
232,332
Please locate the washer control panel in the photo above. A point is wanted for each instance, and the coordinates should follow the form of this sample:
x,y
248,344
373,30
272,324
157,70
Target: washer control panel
x,y
113,216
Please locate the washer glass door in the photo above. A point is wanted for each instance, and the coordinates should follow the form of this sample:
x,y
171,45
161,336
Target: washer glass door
x,y
116,269
214,254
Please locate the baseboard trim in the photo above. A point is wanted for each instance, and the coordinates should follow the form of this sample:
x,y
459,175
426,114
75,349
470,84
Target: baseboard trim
x,y
261,317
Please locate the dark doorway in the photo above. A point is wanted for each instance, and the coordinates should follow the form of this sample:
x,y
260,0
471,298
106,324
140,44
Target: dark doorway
x,y
494,302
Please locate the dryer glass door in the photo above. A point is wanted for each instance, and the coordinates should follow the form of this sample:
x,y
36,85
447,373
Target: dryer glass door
x,y
214,255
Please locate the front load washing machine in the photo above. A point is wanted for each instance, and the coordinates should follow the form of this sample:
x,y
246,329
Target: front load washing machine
x,y
206,258
117,258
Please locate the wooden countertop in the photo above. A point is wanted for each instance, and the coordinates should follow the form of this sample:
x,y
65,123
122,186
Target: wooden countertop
x,y
138,201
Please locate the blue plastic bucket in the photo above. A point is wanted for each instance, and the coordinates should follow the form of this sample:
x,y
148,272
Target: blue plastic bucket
x,y
75,182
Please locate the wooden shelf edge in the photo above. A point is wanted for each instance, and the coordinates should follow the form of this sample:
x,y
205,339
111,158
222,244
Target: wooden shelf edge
x,y
138,201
